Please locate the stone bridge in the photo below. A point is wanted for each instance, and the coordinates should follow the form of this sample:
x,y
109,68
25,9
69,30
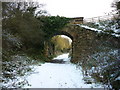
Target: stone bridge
x,y
86,41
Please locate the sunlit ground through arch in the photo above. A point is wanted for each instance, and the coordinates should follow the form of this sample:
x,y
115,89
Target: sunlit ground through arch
x,y
62,44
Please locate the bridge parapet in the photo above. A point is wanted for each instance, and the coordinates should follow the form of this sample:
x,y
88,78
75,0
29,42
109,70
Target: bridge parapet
x,y
76,20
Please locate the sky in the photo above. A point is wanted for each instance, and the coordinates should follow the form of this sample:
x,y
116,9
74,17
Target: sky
x,y
77,8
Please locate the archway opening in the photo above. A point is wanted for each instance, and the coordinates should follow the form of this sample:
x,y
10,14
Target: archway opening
x,y
60,44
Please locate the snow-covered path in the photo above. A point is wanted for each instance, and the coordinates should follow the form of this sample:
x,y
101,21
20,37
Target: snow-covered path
x,y
52,75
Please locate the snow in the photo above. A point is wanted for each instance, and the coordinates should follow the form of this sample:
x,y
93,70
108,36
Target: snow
x,y
51,75
93,29
57,76
117,30
118,78
65,57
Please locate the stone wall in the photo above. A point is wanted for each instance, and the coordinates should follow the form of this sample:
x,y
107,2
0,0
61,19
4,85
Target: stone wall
x,y
89,42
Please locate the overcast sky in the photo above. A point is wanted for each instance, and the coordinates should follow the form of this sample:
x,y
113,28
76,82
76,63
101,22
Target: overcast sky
x,y
77,8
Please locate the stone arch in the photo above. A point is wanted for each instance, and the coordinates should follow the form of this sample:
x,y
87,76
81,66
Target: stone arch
x,y
85,42
50,52
63,33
